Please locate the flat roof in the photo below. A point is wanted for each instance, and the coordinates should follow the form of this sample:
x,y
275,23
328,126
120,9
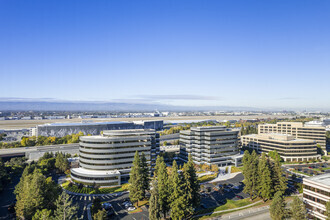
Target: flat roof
x,y
278,137
323,179
84,123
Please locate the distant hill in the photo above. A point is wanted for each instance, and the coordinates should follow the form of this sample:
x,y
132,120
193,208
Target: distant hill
x,y
106,106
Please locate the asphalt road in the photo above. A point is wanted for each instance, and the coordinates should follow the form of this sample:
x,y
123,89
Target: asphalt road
x,y
116,201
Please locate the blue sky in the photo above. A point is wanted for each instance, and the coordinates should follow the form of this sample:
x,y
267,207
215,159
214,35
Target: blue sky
x,y
229,53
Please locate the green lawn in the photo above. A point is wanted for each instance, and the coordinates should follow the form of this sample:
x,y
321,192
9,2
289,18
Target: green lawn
x,y
231,204
206,178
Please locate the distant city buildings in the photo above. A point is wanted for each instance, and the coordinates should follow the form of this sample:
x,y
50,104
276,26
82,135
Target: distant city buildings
x,y
297,130
106,160
316,193
289,148
210,145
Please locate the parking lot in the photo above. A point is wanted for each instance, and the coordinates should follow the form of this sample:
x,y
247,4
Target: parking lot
x,y
116,200
310,169
216,194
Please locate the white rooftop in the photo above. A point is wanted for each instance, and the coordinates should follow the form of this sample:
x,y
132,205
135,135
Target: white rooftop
x,y
84,171
323,179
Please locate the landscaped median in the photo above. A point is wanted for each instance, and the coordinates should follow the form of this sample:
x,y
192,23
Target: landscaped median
x,y
88,190
206,178
230,206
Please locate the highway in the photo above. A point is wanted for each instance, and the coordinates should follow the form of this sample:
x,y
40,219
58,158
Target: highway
x,y
11,152
22,151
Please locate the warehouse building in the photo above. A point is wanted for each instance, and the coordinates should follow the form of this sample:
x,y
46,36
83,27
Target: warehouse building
x,y
93,128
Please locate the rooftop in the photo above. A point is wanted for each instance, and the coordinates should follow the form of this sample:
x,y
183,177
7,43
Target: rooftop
x,y
322,179
83,123
84,171
277,136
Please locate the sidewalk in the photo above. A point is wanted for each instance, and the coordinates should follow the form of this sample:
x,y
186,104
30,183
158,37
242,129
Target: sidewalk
x,y
224,177
228,210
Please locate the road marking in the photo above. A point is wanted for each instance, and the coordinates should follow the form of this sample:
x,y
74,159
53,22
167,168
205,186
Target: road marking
x,y
85,198
240,214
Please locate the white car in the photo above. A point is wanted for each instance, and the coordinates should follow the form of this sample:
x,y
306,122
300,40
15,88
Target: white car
x,y
131,208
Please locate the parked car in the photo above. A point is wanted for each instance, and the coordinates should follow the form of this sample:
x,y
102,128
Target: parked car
x,y
128,205
107,206
203,206
131,208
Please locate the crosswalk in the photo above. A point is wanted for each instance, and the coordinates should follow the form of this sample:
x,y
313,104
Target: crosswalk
x,y
90,198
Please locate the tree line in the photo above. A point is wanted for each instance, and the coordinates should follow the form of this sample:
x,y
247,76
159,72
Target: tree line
x,y
42,140
173,192
39,197
262,178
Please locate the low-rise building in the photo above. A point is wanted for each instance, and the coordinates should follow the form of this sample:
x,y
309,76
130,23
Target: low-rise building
x,y
210,145
288,147
316,193
298,130
106,160
93,128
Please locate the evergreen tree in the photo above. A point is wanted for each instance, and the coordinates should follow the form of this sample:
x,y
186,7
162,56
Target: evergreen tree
x,y
145,174
44,214
154,208
100,215
298,209
96,205
191,186
250,172
163,186
277,208
65,210
327,212
177,197
61,163
30,195
265,180
3,175
279,180
136,188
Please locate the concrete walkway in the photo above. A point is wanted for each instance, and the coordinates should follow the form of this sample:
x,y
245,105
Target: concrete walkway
x,y
229,210
224,177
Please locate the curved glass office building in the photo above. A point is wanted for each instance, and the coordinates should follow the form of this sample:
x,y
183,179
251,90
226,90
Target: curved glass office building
x,y
106,160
